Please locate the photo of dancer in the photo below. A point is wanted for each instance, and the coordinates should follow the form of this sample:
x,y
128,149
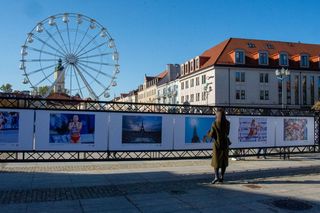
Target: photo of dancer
x,y
72,128
253,130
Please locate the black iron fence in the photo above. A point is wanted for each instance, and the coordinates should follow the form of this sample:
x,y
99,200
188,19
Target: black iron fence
x,y
122,107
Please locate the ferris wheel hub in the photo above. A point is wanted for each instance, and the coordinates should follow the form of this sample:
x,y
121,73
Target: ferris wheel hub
x,y
71,59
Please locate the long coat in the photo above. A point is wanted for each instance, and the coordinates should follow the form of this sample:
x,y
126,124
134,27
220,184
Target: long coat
x,y
220,147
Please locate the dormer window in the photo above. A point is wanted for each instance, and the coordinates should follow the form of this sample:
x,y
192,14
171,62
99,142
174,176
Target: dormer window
x,y
182,69
239,57
283,59
263,58
197,63
191,65
304,61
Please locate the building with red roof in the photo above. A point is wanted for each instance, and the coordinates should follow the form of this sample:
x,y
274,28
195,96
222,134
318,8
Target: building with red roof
x,y
243,72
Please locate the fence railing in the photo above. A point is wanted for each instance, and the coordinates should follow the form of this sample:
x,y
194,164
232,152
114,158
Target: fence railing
x,y
122,107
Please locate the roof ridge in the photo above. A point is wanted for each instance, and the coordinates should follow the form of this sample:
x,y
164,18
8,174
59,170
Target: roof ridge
x,y
267,40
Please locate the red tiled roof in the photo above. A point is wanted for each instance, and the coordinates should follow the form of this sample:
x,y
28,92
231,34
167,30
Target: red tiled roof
x,y
221,54
163,74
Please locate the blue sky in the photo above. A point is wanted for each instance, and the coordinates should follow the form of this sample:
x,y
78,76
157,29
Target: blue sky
x,y
152,33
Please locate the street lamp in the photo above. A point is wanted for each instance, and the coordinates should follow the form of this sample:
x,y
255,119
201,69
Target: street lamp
x,y
282,75
208,88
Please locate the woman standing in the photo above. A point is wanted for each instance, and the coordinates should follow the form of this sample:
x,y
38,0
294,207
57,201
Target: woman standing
x,y
219,132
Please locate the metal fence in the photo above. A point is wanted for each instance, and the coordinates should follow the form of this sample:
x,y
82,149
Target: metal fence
x,y
121,107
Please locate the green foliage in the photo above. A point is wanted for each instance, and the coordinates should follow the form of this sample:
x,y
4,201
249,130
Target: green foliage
x,y
7,88
42,90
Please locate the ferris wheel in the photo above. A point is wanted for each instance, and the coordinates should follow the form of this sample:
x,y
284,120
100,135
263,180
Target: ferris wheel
x,y
72,54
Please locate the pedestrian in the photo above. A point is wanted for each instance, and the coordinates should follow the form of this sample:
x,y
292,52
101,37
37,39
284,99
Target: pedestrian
x,y
263,151
219,132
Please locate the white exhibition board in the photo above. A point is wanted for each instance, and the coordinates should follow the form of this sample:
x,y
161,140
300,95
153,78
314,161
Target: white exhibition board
x,y
16,129
294,131
252,131
138,131
190,131
71,130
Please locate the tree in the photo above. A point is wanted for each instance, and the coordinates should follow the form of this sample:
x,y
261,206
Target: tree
x,y
7,88
42,90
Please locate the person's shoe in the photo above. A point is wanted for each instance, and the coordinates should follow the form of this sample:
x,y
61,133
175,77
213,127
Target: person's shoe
x,y
235,159
220,180
264,157
214,181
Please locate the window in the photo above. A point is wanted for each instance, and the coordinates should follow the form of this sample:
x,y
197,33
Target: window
x,y
240,76
280,91
182,85
240,94
192,98
203,96
296,90
192,83
187,97
187,84
318,87
283,59
312,89
289,90
263,58
198,97
197,81
264,94
203,79
304,90
239,57
243,94
261,94
264,77
182,99
191,66
197,63
304,61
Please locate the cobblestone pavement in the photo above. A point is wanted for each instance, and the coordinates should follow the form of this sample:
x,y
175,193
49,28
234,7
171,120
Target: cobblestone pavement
x,y
251,185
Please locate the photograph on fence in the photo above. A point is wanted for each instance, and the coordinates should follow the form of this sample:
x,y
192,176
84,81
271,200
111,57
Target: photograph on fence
x,y
72,128
295,129
141,129
9,127
253,130
196,129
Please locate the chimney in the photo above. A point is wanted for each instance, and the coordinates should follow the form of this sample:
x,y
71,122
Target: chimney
x,y
173,70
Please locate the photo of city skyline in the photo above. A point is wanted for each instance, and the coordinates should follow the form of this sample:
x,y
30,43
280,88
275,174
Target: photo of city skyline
x,y
141,129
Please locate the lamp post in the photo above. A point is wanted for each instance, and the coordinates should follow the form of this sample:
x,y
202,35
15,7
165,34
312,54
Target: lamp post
x,y
208,89
282,75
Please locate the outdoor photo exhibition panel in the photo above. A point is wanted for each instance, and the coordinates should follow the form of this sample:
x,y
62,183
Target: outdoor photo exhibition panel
x,y
252,131
131,131
295,131
16,129
71,130
190,132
